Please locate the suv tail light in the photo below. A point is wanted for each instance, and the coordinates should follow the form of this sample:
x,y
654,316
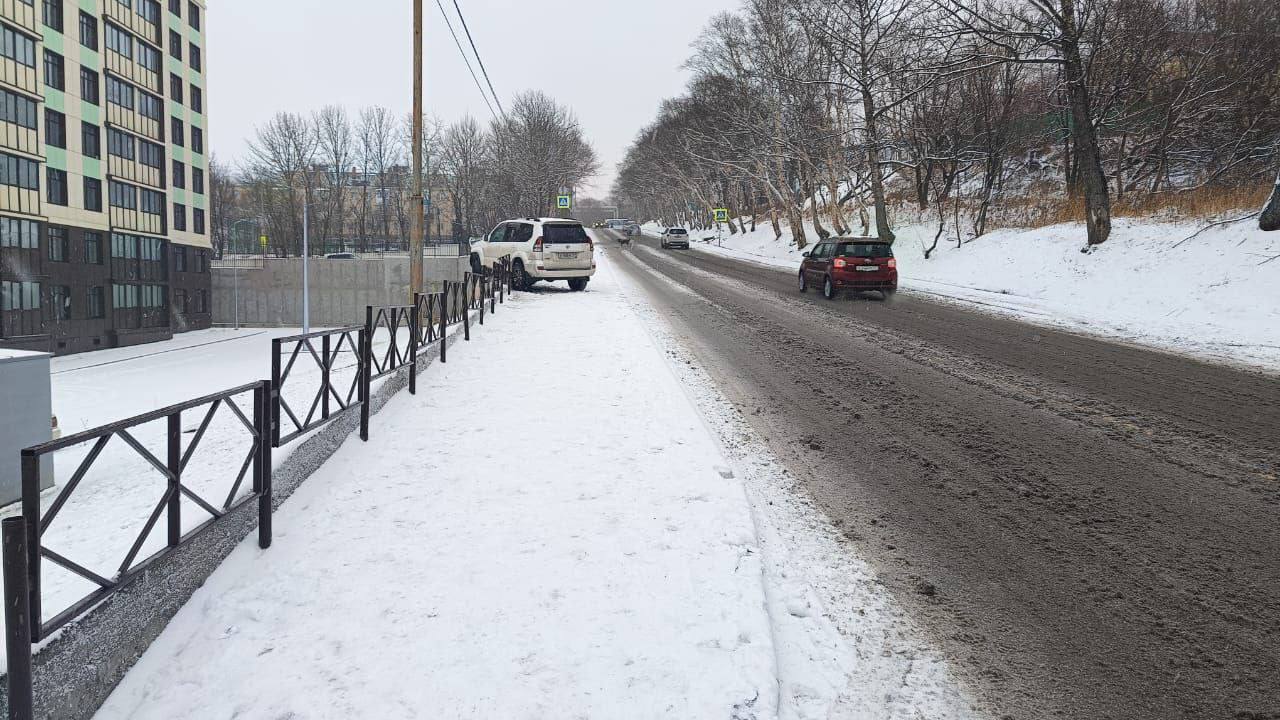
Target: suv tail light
x,y
893,262
590,244
537,245
840,262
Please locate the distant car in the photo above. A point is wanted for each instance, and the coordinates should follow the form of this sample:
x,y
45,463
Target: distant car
x,y
675,238
341,256
839,265
540,249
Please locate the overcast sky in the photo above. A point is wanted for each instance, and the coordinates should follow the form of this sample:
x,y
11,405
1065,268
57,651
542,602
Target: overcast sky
x,y
612,61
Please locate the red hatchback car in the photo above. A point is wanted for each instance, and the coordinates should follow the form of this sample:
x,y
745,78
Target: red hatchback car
x,y
850,264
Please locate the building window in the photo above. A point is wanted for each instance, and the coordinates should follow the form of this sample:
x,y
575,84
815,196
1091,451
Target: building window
x,y
17,233
175,7
119,93
88,30
19,172
193,51
17,47
17,109
152,249
54,70
149,10
175,45
179,137
149,57
197,221
179,253
57,187
197,140
53,14
175,88
150,106
197,99
150,154
60,295
123,196
59,244
19,295
124,246
152,202
179,217
55,129
93,248
120,144
93,194
202,262
193,15
124,297
89,86
90,140
97,303
120,41
197,180
179,175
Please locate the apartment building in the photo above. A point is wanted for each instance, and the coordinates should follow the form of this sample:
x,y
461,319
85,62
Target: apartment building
x,y
103,170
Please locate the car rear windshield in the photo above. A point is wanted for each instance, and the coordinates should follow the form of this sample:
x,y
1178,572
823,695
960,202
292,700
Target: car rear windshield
x,y
564,235
865,250
677,231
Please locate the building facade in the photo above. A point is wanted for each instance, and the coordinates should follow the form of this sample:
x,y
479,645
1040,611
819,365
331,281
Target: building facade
x,y
104,237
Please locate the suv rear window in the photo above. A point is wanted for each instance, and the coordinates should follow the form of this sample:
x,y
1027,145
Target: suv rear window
x,y
564,235
677,231
864,250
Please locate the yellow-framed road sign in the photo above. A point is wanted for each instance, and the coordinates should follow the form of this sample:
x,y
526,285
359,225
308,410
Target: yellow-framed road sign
x,y
722,214
564,202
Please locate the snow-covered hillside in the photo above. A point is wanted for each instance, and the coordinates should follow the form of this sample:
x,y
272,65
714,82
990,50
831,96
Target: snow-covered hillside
x,y
1215,296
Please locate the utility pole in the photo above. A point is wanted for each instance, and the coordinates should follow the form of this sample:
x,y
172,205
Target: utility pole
x,y
417,219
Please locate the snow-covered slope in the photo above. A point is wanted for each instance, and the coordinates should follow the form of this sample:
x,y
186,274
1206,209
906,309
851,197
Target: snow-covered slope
x,y
1215,296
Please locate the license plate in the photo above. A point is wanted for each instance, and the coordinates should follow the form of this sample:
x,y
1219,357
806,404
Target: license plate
x,y
867,268
567,256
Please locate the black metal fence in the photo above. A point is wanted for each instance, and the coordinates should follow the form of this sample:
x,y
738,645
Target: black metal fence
x,y
26,549
389,341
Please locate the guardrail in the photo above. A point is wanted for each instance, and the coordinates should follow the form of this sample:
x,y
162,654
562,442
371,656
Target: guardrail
x,y
25,549
273,423
329,400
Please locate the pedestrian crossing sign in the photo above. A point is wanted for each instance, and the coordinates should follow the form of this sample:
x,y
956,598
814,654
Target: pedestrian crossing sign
x,y
722,215
563,202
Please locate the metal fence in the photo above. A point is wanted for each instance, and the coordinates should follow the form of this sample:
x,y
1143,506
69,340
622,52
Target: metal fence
x,y
388,342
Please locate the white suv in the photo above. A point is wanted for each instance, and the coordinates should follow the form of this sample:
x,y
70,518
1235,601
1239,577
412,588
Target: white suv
x,y
540,249
675,237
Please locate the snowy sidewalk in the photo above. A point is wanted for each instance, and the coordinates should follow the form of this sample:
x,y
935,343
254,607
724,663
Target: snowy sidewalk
x,y
543,531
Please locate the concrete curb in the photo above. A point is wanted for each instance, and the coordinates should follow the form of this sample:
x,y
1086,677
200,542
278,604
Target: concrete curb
x,y
76,672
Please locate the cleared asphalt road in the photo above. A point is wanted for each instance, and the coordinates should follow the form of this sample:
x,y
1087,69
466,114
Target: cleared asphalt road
x,y
1087,529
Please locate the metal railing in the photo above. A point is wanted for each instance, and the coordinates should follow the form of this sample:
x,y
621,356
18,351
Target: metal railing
x,y
330,400
400,323
25,549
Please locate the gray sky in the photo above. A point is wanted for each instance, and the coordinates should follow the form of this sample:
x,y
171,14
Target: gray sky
x,y
612,61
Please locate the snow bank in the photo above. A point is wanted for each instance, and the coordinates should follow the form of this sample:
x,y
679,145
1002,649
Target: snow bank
x,y
1212,297
545,530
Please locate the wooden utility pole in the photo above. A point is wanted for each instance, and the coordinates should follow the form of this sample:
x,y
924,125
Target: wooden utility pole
x,y
416,216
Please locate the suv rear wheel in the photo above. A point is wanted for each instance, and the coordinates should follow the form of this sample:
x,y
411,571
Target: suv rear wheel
x,y
578,284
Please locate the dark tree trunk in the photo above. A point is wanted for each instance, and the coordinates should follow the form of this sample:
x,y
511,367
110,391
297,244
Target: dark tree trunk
x,y
1097,198
1270,218
873,162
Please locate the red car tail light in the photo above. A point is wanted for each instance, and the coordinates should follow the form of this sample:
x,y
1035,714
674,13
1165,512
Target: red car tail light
x,y
893,262
537,245
840,262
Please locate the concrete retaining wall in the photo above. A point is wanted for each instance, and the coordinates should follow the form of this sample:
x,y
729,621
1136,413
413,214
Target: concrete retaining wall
x,y
271,296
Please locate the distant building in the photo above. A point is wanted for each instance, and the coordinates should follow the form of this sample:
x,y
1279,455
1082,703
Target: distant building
x,y
104,237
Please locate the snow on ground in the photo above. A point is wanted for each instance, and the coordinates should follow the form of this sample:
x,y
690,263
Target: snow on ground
x,y
112,503
1210,297
548,529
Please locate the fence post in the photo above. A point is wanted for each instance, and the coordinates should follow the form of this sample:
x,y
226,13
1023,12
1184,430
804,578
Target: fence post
x,y
325,374
467,293
31,513
262,463
175,480
444,320
17,618
413,350
366,360
275,395
484,288
502,282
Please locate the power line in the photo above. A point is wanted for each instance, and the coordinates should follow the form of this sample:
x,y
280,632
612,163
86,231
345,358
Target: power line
x,y
477,54
463,53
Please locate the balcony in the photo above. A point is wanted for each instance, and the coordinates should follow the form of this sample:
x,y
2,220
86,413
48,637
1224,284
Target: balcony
x,y
19,139
134,122
18,200
130,70
134,172
129,19
20,76
136,221
21,15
